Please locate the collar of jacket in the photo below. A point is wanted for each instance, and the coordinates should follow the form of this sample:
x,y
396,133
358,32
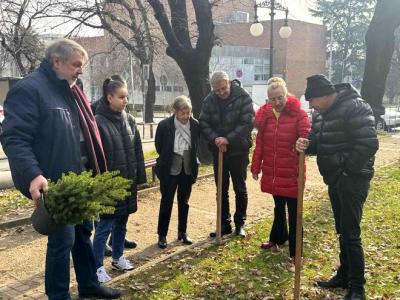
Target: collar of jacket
x,y
171,125
265,112
46,68
345,92
105,110
236,92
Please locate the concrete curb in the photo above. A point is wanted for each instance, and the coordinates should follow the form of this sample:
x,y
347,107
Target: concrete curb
x,y
27,220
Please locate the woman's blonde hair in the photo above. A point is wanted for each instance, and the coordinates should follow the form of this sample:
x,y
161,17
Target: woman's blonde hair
x,y
179,103
276,82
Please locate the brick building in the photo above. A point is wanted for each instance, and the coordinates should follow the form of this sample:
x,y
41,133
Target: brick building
x,y
295,58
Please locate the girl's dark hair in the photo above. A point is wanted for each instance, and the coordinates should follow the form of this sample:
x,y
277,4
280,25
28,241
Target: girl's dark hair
x,y
112,84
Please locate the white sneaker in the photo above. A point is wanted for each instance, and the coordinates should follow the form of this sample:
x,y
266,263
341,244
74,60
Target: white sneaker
x,y
102,275
122,264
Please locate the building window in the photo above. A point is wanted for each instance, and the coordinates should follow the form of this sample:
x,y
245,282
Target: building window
x,y
240,17
260,72
178,88
158,88
248,60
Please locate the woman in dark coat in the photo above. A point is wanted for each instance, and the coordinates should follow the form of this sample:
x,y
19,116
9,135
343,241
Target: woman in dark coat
x,y
177,166
123,150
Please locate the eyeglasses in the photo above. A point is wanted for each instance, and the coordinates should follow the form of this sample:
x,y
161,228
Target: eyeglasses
x,y
277,99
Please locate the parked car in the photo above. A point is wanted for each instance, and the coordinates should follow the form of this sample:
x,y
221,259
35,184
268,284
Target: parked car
x,y
389,120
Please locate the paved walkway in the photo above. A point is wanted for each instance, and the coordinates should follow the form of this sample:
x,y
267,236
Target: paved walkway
x,y
22,251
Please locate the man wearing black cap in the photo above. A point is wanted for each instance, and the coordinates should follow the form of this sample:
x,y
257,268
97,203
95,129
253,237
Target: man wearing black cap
x,y
344,139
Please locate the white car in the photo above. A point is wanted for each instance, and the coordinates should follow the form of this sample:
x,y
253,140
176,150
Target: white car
x,y
390,120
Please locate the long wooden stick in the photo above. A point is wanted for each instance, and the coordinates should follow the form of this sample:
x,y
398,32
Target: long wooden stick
x,y
299,226
219,195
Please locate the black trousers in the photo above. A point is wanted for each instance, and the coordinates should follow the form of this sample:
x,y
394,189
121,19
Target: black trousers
x,y
347,197
279,231
236,168
168,187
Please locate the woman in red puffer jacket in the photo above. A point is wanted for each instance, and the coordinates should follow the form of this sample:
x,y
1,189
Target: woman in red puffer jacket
x,y
280,123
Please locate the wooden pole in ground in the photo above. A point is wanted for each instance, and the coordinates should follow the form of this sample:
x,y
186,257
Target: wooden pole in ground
x,y
219,195
299,226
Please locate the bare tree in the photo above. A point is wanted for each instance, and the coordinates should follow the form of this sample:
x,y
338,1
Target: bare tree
x,y
127,22
380,41
191,49
17,31
393,79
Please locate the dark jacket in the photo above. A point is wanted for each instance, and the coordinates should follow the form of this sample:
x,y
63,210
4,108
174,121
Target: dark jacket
x,y
164,142
344,137
123,150
41,128
231,118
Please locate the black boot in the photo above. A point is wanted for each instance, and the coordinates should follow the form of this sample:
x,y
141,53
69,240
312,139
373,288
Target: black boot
x,y
224,231
130,244
127,244
101,292
182,236
354,295
162,242
335,282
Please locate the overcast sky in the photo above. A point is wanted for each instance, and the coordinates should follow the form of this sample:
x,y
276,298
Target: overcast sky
x,y
298,10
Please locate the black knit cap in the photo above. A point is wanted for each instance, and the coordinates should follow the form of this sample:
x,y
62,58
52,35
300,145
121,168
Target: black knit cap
x,y
318,86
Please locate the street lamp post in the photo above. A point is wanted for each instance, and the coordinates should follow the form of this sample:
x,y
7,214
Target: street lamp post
x,y
256,29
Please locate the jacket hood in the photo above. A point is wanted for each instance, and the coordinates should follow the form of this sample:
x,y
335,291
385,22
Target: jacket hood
x,y
265,112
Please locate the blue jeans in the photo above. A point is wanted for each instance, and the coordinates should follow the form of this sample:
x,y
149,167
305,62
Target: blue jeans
x,y
103,229
73,239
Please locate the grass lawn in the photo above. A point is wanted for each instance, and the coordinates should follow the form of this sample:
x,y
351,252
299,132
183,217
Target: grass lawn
x,y
241,270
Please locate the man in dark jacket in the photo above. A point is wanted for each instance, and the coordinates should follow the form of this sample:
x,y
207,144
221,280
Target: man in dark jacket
x,y
344,139
49,130
226,122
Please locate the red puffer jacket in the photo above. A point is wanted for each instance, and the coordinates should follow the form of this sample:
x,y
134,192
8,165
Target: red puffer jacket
x,y
275,154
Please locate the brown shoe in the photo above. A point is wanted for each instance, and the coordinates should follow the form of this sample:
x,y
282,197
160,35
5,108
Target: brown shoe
x,y
270,246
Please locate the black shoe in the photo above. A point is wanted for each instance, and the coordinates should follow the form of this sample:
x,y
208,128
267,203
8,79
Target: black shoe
x,y
101,292
353,295
225,230
184,238
162,242
334,283
240,231
107,251
130,244
127,244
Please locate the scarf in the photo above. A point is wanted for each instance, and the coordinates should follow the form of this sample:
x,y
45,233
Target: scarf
x,y
94,147
182,137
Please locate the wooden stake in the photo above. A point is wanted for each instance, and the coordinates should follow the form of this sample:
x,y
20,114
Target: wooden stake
x,y
299,226
219,195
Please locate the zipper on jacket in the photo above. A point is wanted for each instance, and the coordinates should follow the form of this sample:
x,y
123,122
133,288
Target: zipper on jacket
x,y
274,175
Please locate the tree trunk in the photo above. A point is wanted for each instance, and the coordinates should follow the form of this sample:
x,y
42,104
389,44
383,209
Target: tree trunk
x,y
380,41
150,97
196,78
